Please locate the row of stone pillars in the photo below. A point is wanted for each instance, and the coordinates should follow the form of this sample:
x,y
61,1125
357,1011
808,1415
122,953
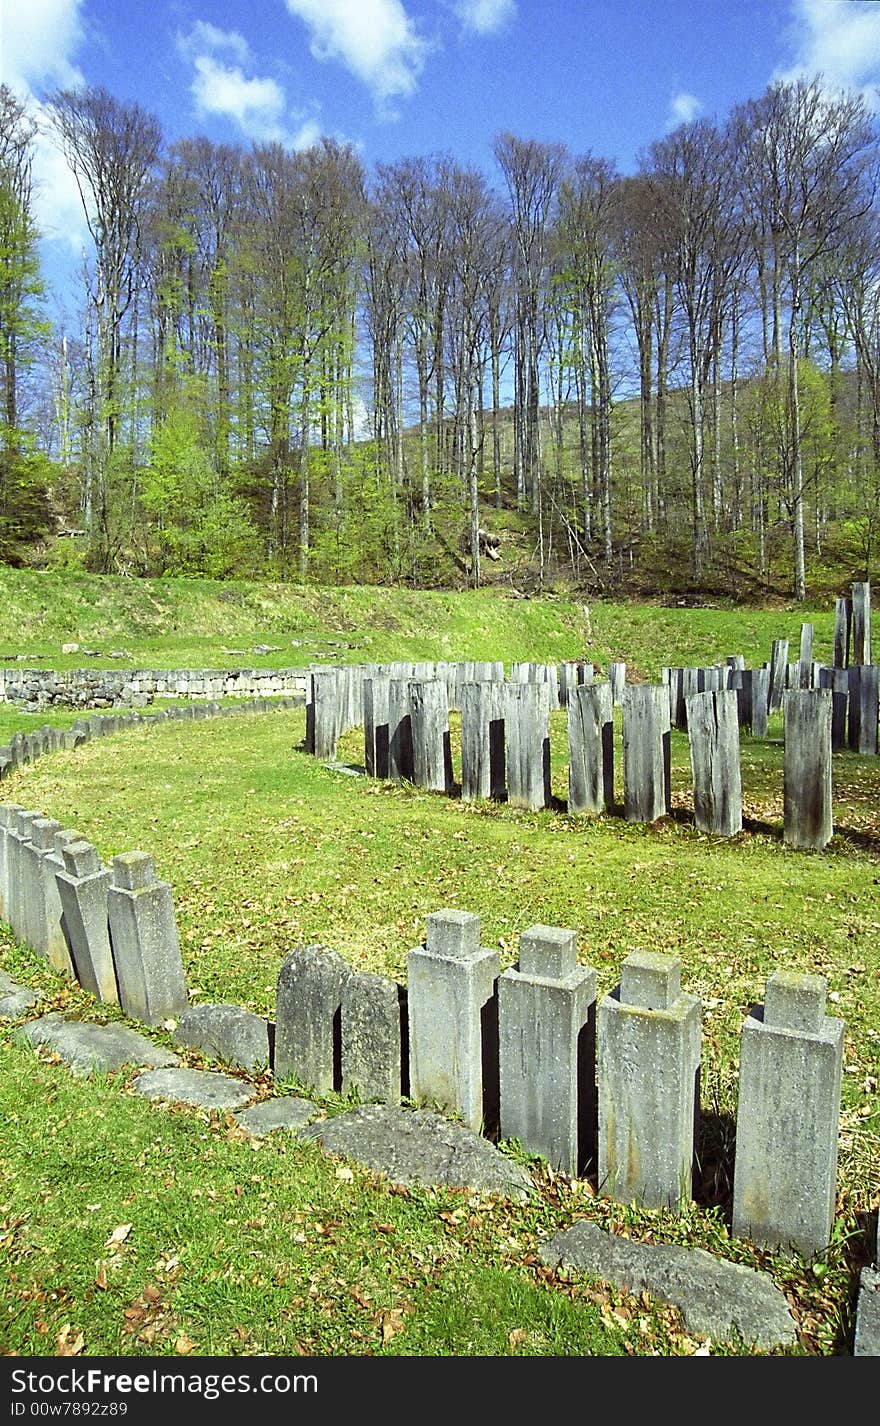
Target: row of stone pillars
x,y
607,1085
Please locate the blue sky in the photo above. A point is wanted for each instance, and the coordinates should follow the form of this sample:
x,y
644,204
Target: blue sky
x,y
403,77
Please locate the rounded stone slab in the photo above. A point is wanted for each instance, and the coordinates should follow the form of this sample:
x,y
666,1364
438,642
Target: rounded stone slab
x,y
420,1146
88,1048
15,998
285,1112
716,1298
204,1089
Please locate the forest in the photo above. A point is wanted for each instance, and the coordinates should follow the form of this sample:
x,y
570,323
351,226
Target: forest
x,y
284,366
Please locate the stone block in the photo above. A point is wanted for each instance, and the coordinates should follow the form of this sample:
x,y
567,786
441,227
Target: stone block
x,y
373,1038
143,935
308,1016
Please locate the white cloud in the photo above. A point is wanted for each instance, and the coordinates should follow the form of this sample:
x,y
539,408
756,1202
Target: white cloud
x,y
222,89
206,37
683,109
256,105
39,43
375,39
839,39
38,40
484,17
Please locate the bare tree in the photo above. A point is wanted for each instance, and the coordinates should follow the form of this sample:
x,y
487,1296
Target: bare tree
x,y
804,151
112,149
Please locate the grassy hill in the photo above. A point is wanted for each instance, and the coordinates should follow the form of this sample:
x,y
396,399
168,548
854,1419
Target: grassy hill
x,y
277,1251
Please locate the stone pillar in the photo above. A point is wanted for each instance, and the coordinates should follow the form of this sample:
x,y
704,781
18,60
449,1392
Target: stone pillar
x,y
401,767
373,1014
8,824
308,1018
713,736
861,623
590,748
376,726
807,811
483,771
47,928
20,901
527,744
863,707
143,934
778,665
646,765
649,1060
82,888
791,1062
429,728
837,681
546,1039
452,1010
842,628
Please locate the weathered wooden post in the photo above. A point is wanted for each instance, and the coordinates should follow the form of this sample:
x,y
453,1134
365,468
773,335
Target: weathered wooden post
x,y
590,748
861,623
807,769
837,681
646,766
863,707
805,661
527,744
400,745
842,628
429,727
376,725
778,665
713,735
482,741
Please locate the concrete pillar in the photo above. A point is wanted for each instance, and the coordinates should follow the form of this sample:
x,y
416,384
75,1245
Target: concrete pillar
x,y
483,772
649,1060
590,748
546,1039
46,911
807,810
527,744
8,824
143,934
791,1062
20,903
646,765
452,1011
82,885
713,736
373,1016
308,1018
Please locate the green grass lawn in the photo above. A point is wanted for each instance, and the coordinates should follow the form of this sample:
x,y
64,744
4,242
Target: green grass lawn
x,y
236,1250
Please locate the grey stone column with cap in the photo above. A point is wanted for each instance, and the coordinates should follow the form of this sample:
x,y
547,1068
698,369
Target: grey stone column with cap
x,y
83,883
788,1116
451,991
546,1044
648,1065
143,934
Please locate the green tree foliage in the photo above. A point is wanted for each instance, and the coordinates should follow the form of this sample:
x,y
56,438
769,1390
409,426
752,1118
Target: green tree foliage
x,y
194,522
